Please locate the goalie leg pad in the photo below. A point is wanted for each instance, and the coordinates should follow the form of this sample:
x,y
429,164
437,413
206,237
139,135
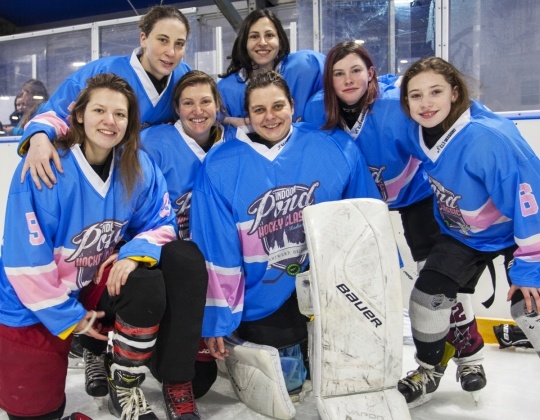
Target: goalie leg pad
x,y
529,322
358,313
257,379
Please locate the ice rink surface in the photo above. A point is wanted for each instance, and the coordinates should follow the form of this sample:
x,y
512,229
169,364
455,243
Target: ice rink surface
x,y
511,393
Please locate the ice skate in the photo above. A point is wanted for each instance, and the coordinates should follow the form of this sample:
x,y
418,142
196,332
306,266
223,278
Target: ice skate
x,y
473,379
419,384
95,375
75,356
180,401
126,399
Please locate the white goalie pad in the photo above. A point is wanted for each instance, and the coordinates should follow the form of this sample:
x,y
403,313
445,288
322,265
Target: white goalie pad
x,y
257,379
357,332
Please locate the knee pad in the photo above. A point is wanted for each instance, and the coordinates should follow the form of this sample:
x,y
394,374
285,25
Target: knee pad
x,y
529,322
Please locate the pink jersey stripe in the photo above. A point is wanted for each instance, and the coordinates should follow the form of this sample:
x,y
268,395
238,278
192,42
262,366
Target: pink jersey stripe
x,y
394,186
50,118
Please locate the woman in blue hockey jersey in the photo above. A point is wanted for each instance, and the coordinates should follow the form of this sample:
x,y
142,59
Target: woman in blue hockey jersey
x,y
246,216
262,45
179,151
152,70
485,177
367,108
56,239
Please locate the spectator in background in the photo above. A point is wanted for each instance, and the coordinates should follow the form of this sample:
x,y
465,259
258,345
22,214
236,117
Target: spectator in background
x,y
33,95
20,107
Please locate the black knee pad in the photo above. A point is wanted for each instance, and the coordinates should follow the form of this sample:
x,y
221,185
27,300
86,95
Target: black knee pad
x,y
142,299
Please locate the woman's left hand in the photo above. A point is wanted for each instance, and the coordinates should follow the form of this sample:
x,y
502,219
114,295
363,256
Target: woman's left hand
x,y
119,274
527,293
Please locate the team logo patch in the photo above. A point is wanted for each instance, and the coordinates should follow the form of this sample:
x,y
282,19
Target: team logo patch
x,y
278,224
447,202
94,245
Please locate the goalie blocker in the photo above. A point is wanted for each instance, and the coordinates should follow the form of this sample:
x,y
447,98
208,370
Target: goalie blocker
x,y
355,288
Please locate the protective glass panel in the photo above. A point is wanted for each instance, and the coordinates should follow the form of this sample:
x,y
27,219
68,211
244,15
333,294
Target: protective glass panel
x,y
395,34
49,58
497,44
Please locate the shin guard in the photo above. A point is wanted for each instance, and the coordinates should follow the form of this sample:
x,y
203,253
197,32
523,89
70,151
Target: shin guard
x,y
529,322
356,338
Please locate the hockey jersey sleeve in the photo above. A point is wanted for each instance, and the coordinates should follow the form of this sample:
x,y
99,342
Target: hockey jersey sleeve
x,y
523,207
32,222
314,112
153,223
214,230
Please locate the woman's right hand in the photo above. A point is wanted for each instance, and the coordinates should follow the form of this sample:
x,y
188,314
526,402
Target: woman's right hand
x,y
216,347
38,159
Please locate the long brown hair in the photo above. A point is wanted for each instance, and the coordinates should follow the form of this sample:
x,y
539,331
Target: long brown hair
x,y
127,158
331,104
452,76
240,56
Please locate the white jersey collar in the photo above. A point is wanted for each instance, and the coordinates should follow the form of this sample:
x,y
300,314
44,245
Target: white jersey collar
x,y
354,132
147,84
101,187
270,154
439,147
192,143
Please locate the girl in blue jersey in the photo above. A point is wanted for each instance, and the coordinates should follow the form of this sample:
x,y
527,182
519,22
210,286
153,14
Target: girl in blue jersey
x,y
152,70
246,216
56,239
368,109
179,151
485,178
262,45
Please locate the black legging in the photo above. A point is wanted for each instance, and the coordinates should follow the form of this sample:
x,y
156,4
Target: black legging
x,y
184,272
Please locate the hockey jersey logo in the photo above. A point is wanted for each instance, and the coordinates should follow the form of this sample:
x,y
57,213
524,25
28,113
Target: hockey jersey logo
x,y
183,204
377,174
447,202
278,224
94,245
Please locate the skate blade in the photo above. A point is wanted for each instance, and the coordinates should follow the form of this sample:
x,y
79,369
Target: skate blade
x,y
75,363
420,401
475,396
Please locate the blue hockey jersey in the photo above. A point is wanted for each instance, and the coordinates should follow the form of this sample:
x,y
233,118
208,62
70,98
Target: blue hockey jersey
x,y
154,108
486,180
301,70
55,239
380,133
179,157
246,217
